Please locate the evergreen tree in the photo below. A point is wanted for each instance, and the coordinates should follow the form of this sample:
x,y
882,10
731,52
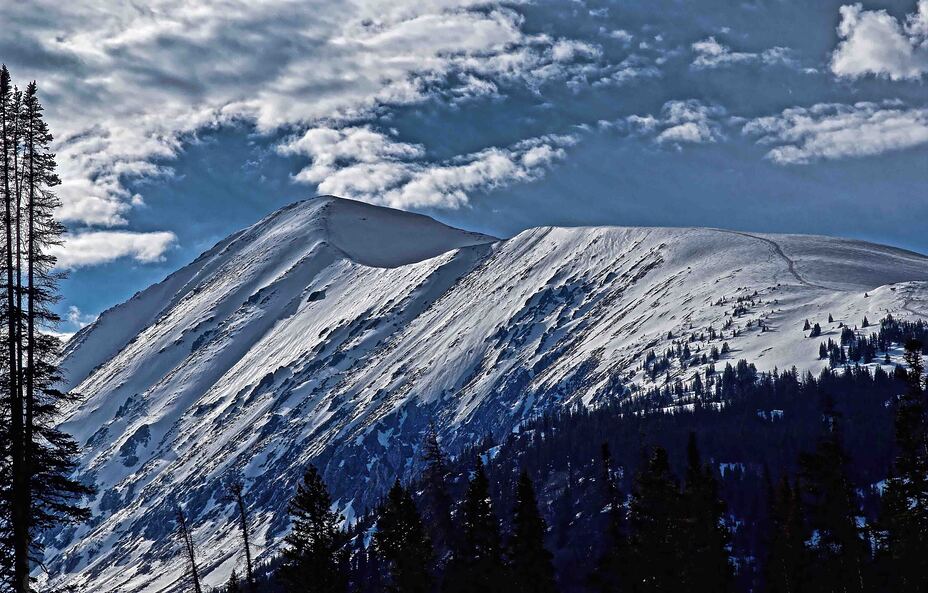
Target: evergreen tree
x,y
904,516
232,586
656,545
401,540
785,563
837,549
314,558
612,568
477,562
707,566
41,458
435,497
530,564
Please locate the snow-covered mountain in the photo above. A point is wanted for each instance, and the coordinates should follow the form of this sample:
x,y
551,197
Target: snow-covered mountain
x,y
333,331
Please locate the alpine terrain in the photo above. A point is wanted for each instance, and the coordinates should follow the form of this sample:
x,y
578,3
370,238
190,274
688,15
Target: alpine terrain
x,y
334,331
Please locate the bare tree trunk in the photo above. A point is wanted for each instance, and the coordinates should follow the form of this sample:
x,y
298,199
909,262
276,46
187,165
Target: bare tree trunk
x,y
236,488
188,544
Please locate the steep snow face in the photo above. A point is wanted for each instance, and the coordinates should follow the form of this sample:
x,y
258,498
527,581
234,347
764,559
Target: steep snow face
x,y
333,331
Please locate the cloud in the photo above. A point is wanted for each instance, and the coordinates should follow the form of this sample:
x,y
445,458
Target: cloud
x,y
364,164
127,84
836,131
680,122
874,42
96,247
77,319
712,54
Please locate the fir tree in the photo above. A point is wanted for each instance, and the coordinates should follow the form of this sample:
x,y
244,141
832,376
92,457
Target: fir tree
x,y
232,586
314,558
41,458
837,550
655,523
707,565
904,516
612,569
401,540
435,496
530,564
785,563
477,563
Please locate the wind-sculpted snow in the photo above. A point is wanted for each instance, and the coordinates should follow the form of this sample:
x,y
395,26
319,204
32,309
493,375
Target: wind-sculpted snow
x,y
334,331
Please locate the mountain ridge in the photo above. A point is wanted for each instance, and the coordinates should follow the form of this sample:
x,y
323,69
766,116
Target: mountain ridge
x,y
277,346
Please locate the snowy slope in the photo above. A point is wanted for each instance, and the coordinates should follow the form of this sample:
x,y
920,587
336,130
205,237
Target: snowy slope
x,y
333,331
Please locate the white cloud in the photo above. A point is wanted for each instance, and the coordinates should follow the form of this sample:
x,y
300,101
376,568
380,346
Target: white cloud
x,y
712,54
77,319
835,131
874,42
680,122
96,247
364,164
126,83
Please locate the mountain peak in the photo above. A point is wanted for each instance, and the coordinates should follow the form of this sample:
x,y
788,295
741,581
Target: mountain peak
x,y
387,238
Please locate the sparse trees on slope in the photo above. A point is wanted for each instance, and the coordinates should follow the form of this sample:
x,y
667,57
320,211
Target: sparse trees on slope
x,y
530,566
401,540
315,558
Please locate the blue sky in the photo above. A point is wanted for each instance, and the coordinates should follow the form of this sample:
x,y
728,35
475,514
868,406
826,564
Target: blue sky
x,y
180,122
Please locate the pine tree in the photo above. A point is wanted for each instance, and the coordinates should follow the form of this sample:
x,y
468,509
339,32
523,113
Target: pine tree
x,y
314,558
904,513
435,497
236,489
401,540
232,586
707,564
41,457
656,546
612,570
837,551
530,564
477,562
785,563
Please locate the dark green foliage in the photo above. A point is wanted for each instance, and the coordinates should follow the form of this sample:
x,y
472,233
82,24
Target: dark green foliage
x,y
477,563
315,557
401,541
655,520
904,516
784,568
530,565
36,459
436,498
837,551
706,563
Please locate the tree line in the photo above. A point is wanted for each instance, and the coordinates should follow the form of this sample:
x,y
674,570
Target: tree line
x,y
36,459
480,525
